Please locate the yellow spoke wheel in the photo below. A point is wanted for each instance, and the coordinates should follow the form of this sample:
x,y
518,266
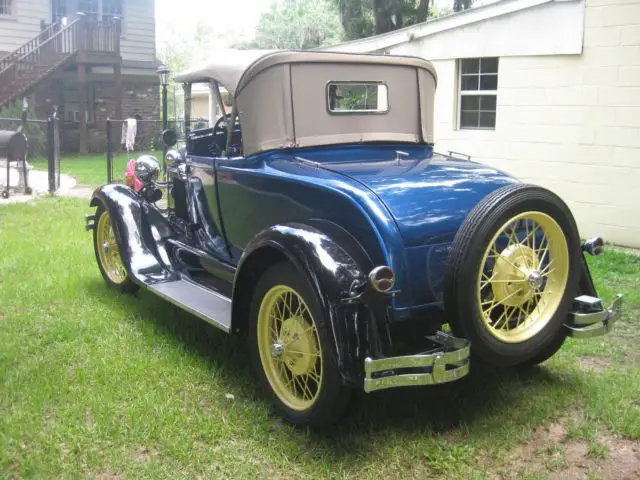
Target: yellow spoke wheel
x,y
289,347
108,251
523,277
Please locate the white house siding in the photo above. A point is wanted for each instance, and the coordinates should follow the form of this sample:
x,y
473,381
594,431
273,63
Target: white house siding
x,y
138,29
570,121
138,40
24,23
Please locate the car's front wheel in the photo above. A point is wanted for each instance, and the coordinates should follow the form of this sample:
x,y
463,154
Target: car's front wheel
x,y
107,253
291,351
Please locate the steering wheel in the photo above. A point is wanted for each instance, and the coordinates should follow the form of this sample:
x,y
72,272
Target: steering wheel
x,y
219,127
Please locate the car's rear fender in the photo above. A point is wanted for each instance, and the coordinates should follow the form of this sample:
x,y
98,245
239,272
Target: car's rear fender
x,y
140,231
336,267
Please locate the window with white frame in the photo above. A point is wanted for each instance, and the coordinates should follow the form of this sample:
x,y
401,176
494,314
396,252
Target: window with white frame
x,y
478,84
101,10
5,7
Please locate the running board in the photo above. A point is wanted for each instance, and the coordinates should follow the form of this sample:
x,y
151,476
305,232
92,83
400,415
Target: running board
x,y
210,306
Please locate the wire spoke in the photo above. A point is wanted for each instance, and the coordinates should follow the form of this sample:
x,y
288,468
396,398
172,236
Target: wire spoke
x,y
314,374
300,386
306,386
532,235
515,234
493,300
487,312
503,314
515,280
297,352
544,272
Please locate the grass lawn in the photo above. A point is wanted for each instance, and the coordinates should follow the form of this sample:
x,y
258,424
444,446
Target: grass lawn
x,y
102,385
92,169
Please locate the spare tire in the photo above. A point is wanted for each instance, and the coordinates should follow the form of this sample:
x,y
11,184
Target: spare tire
x,y
512,274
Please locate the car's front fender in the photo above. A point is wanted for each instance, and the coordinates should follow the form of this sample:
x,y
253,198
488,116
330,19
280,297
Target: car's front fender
x,y
336,267
140,231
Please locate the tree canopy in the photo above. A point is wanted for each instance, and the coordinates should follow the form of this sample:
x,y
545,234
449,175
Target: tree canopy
x,y
363,18
297,24
306,24
303,24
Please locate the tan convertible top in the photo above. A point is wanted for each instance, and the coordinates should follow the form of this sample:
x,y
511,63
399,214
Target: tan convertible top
x,y
281,96
226,68
235,68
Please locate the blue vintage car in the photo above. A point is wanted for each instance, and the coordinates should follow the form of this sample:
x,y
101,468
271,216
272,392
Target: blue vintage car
x,y
315,219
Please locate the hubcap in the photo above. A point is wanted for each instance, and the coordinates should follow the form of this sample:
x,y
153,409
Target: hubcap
x,y
108,252
289,347
535,280
277,349
523,277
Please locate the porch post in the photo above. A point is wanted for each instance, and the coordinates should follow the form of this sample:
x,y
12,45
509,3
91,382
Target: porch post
x,y
212,103
117,71
82,101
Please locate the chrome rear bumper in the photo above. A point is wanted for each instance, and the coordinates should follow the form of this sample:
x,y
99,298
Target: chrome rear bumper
x,y
446,363
450,360
589,319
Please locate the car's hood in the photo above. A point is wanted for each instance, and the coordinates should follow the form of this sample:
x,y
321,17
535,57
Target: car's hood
x,y
428,195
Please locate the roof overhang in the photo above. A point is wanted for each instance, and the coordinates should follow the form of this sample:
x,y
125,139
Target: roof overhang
x,y
466,21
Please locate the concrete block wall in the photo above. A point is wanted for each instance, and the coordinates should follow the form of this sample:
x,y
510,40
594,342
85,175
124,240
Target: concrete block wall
x,y
568,122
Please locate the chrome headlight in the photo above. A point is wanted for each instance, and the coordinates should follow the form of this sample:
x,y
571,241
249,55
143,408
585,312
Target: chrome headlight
x,y
147,169
382,279
172,156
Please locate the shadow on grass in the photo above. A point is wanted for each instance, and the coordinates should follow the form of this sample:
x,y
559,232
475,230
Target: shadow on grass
x,y
481,398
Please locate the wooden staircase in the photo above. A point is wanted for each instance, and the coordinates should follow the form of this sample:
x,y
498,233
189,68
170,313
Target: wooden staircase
x,y
53,48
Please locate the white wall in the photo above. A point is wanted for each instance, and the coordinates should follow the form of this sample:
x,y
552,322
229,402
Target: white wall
x,y
138,40
570,122
24,22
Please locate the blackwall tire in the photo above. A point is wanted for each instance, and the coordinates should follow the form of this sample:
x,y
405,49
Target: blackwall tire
x,y
548,352
508,297
305,400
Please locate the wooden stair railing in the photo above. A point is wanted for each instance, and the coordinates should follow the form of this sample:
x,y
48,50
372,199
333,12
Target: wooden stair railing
x,y
24,68
31,45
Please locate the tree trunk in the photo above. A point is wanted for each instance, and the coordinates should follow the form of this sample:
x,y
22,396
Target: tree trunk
x,y
382,16
459,5
423,11
349,11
